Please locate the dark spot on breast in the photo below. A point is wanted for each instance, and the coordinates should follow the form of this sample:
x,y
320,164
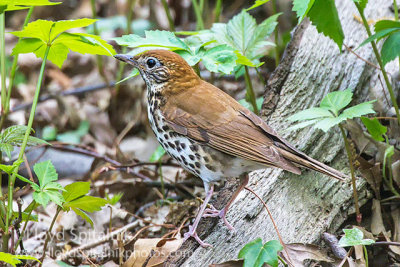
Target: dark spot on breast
x,y
206,159
197,171
165,128
197,164
197,155
166,136
194,148
177,143
171,145
184,159
191,165
210,167
183,145
178,148
191,157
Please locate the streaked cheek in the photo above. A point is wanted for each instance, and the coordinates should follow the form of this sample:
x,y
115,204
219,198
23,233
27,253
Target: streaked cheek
x,y
161,75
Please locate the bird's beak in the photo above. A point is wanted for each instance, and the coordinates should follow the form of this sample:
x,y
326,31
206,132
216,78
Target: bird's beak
x,y
127,59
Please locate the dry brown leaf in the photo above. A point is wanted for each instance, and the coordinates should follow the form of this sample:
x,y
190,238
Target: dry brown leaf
x,y
58,76
371,173
146,250
377,226
394,249
396,222
300,252
396,172
359,251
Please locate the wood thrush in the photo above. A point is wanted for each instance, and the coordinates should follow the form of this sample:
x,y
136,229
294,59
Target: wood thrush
x,y
208,132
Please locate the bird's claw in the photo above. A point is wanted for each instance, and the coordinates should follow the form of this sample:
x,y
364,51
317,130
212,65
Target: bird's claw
x,y
192,233
213,212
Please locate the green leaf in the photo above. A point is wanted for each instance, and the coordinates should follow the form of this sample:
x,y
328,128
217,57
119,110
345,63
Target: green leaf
x,y
11,5
391,47
114,200
48,190
7,168
354,237
327,123
134,73
389,152
310,114
257,3
362,3
26,45
49,133
45,172
220,58
302,125
323,14
262,31
63,25
259,102
157,154
39,29
255,254
153,39
15,259
75,190
74,137
386,24
335,101
83,215
302,7
379,35
86,203
241,29
358,110
84,43
375,128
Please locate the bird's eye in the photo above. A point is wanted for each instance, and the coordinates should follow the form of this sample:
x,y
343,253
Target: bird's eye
x,y
151,62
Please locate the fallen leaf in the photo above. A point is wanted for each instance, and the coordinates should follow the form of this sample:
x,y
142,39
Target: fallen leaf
x,y
396,222
396,172
147,247
231,263
377,226
301,252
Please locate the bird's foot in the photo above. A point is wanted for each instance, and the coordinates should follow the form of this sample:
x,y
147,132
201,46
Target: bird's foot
x,y
213,212
192,233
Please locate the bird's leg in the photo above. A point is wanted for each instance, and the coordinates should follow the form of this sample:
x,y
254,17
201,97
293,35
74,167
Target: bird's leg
x,y
213,212
192,228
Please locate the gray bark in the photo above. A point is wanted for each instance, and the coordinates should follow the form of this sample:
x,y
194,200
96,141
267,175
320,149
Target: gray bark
x,y
303,206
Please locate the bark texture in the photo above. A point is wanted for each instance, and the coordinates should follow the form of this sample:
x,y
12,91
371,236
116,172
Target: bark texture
x,y
303,206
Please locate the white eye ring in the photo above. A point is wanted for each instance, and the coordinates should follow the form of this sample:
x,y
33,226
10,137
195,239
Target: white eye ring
x,y
151,62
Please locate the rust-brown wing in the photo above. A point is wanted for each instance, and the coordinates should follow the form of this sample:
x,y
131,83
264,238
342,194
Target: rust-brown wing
x,y
207,114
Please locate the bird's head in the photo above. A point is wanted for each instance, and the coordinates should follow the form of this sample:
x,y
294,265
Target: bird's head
x,y
162,70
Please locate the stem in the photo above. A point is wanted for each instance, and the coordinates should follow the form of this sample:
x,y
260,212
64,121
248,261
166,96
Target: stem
x,y
3,62
12,74
353,178
282,260
217,10
378,57
25,225
121,65
96,32
250,96
11,180
365,255
396,16
168,13
48,235
199,18
276,34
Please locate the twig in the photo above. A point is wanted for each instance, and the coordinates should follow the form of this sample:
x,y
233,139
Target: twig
x,y
333,243
383,90
385,243
96,243
78,91
273,222
347,256
48,235
363,59
92,264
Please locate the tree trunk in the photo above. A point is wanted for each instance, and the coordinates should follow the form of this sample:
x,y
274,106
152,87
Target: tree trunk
x,y
303,206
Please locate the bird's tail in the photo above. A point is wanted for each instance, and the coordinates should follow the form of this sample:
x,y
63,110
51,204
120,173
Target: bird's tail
x,y
301,159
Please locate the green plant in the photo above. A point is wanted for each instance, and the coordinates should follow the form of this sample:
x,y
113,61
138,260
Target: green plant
x,y
332,112
354,237
256,254
48,40
325,17
13,260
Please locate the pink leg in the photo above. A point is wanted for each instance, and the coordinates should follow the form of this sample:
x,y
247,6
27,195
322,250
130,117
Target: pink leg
x,y
192,228
213,212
